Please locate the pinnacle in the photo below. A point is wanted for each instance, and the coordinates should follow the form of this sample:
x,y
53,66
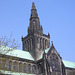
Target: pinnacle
x,y
33,5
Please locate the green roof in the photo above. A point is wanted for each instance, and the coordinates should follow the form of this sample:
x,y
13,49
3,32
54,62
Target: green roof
x,y
46,51
69,64
15,53
14,73
27,55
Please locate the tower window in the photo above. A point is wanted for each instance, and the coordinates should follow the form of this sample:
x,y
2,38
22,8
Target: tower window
x,y
33,21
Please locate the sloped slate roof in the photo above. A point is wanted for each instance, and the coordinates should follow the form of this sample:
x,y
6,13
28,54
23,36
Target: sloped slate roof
x,y
14,73
15,53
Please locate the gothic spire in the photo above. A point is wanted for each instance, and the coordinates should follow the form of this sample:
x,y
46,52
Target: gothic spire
x,y
33,6
33,11
34,26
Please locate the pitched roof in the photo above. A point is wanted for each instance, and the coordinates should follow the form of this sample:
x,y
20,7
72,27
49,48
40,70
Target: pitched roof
x,y
69,64
27,55
15,53
46,51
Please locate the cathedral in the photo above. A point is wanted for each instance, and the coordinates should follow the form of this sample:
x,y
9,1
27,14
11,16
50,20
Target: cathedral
x,y
37,56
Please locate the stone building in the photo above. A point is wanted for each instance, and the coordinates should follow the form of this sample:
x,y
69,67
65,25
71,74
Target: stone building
x,y
37,56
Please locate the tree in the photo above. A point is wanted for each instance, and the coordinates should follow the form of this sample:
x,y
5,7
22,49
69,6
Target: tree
x,y
7,45
8,42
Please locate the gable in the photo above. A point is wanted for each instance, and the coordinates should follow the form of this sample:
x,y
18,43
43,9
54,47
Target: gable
x,y
52,51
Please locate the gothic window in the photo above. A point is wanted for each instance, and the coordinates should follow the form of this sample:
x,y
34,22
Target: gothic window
x,y
30,44
40,43
24,67
34,21
29,68
25,45
0,63
39,68
34,69
10,65
15,66
3,63
55,65
7,64
43,44
20,67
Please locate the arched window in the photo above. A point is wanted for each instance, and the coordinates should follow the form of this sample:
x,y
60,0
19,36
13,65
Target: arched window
x,y
20,67
43,44
15,66
46,44
0,63
7,64
30,44
40,43
10,65
29,68
24,67
55,64
39,68
3,63
25,45
34,69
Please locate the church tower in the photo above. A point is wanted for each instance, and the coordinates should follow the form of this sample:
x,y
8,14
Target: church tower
x,y
35,42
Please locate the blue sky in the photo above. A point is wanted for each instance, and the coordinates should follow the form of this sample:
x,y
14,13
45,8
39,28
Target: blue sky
x,y
56,16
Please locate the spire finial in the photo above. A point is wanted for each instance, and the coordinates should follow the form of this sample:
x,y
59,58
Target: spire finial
x,y
33,5
52,43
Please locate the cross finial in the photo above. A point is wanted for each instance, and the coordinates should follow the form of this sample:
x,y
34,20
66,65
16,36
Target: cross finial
x,y
52,43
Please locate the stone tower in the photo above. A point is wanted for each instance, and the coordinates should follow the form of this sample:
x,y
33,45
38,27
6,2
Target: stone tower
x,y
35,42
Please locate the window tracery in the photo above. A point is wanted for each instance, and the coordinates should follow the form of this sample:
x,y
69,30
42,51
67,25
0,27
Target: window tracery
x,y
55,64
